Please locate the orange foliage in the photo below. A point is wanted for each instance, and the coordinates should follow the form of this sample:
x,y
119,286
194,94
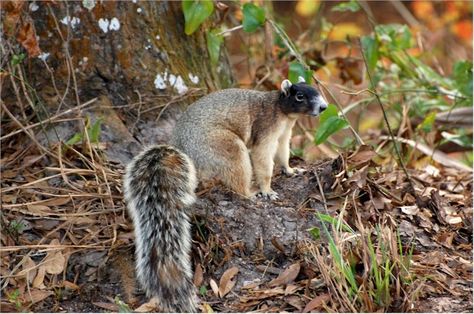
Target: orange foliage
x,y
463,30
423,9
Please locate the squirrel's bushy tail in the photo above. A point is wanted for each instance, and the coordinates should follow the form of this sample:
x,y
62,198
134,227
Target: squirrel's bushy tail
x,y
159,188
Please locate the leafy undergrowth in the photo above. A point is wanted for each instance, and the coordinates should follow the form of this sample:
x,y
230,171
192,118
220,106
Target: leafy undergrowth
x,y
380,242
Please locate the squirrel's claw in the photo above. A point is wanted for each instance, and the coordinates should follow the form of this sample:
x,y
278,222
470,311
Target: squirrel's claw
x,y
293,171
271,195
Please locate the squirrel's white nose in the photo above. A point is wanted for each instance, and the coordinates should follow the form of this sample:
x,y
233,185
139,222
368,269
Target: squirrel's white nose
x,y
319,105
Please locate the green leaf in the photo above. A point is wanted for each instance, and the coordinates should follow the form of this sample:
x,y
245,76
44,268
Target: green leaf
x,y
315,232
195,13
370,48
462,75
331,111
296,70
330,123
352,6
461,139
203,291
428,122
254,17
394,36
335,222
94,131
17,59
214,42
76,138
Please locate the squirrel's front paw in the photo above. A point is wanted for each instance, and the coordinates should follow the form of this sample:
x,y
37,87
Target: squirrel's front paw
x,y
293,171
272,195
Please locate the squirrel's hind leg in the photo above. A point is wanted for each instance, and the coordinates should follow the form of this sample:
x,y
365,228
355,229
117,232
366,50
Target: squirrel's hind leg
x,y
233,167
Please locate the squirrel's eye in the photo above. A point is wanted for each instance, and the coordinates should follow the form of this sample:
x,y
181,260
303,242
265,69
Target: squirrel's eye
x,y
299,97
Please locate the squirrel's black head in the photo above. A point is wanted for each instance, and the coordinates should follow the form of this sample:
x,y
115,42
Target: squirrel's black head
x,y
301,98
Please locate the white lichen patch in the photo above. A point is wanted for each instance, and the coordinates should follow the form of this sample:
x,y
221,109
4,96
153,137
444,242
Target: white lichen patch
x,y
33,7
74,21
139,10
193,78
43,56
160,81
88,4
114,24
178,84
176,81
104,25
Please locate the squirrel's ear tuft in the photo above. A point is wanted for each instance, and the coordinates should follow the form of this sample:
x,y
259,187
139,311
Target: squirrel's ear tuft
x,y
285,87
301,79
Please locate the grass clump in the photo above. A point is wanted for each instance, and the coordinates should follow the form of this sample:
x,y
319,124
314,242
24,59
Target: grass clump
x,y
367,269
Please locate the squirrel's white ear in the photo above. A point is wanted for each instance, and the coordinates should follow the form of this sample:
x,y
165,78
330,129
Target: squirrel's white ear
x,y
285,87
301,79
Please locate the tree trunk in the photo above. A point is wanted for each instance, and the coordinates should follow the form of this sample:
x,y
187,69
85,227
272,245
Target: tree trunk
x,y
132,54
118,47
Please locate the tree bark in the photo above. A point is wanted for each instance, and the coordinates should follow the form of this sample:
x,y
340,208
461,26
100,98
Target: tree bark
x,y
131,55
117,47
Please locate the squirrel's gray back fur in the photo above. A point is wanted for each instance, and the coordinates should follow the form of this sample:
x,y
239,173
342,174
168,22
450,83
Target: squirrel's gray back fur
x,y
236,110
159,188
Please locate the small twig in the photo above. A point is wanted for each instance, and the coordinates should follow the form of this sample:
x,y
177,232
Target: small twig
x,y
298,56
379,101
48,120
226,31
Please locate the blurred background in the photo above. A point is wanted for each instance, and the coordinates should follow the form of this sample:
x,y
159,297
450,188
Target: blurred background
x,y
412,76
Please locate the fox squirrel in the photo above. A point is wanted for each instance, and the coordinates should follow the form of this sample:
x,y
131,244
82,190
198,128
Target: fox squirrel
x,y
230,134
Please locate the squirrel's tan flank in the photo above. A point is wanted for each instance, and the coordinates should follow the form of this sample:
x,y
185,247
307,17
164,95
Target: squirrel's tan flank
x,y
232,134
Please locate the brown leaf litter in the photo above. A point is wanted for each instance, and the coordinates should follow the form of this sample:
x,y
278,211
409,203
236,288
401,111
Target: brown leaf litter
x,y
66,229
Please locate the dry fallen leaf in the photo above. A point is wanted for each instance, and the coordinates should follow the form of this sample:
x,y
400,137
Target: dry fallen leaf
x,y
54,261
13,11
214,287
287,276
226,283
28,269
150,306
198,276
27,38
69,285
409,210
37,295
39,210
316,302
362,155
38,281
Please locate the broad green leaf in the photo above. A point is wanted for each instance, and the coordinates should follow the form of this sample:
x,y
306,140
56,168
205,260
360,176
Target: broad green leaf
x,y
296,70
254,17
328,128
371,51
352,6
331,111
195,13
214,42
462,75
428,122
